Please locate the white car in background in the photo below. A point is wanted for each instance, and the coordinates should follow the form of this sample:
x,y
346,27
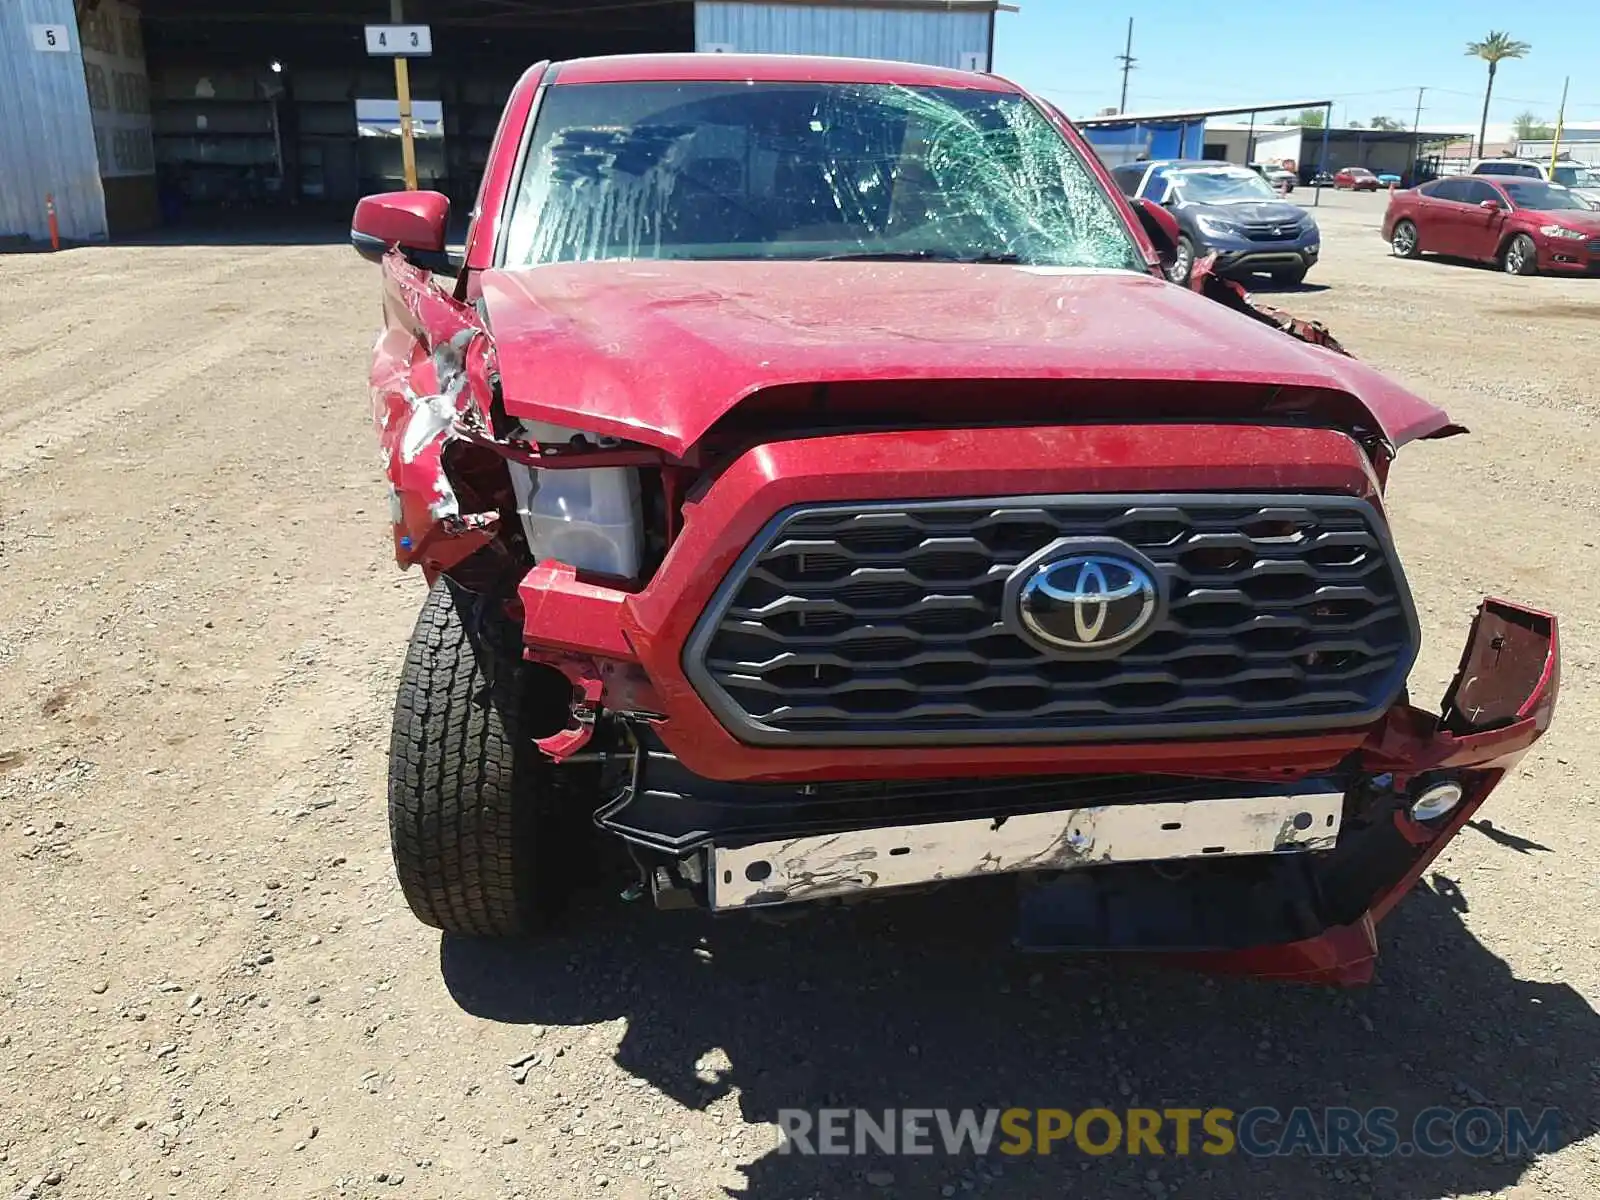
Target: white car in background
x,y
1580,178
1279,177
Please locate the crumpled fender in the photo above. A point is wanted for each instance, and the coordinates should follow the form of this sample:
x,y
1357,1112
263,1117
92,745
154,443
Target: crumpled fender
x,y
430,376
1403,415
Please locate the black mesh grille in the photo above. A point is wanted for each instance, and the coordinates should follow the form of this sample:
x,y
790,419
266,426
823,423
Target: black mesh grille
x,y
883,624
1271,231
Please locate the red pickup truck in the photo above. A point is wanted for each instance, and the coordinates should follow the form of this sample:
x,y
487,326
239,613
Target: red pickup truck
x,y
824,495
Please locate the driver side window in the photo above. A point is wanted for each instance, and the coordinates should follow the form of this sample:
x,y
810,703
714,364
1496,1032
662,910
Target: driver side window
x,y
1478,192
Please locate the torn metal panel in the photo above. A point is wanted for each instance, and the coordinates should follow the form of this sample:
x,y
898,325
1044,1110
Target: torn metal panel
x,y
1401,416
855,861
588,688
1510,661
1209,284
599,685
431,350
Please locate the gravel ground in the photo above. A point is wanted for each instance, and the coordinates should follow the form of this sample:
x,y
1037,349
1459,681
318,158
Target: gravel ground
x,y
211,985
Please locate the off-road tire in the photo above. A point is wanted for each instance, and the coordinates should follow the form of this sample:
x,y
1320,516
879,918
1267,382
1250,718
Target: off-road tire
x,y
488,835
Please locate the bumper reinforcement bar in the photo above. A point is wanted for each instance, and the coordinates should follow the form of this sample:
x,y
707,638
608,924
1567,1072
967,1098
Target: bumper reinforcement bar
x,y
838,864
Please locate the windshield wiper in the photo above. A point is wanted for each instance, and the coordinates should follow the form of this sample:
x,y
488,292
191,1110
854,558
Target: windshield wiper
x,y
918,256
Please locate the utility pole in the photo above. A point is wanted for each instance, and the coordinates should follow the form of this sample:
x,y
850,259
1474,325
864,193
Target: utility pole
x,y
1416,139
1561,124
402,92
1127,60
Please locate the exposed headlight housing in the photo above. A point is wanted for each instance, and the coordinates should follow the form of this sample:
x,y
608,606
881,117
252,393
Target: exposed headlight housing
x,y
587,517
1561,231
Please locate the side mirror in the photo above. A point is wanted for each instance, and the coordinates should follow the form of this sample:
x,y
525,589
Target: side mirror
x,y
1489,205
413,222
1160,226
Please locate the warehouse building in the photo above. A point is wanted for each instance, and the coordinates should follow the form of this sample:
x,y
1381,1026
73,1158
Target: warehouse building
x,y
133,113
1122,138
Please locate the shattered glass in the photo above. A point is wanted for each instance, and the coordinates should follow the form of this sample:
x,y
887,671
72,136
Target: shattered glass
x,y
807,171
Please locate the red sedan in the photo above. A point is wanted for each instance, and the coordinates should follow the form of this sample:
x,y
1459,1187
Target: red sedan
x,y
1525,225
1355,179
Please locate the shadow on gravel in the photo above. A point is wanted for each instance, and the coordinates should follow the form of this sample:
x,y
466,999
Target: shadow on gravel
x,y
919,1002
1267,286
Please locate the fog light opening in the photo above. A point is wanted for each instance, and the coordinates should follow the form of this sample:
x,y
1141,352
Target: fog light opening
x,y
1436,800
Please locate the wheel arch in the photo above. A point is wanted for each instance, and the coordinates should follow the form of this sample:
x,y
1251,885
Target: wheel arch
x,y
1505,242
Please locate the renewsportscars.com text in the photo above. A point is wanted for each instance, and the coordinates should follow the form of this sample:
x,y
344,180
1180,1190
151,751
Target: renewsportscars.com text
x,y
1434,1132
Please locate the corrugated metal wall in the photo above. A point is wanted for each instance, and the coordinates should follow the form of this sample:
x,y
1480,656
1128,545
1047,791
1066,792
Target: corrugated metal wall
x,y
46,135
1118,144
939,39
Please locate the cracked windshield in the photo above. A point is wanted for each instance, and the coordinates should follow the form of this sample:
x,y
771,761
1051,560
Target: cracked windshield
x,y
1222,185
1541,196
806,171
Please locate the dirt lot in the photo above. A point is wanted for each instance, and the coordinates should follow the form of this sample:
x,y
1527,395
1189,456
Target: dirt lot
x,y
212,986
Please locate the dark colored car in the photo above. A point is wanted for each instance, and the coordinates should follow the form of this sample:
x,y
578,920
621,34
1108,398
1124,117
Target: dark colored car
x,y
823,494
1355,179
1525,225
1229,211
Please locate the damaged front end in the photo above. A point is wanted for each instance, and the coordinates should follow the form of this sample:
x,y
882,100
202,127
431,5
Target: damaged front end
x,y
1281,879
1272,854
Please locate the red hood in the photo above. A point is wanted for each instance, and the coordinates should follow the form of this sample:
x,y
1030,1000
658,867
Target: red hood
x,y
1586,220
658,351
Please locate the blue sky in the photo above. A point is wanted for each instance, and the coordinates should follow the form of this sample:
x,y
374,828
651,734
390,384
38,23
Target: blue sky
x,y
1369,56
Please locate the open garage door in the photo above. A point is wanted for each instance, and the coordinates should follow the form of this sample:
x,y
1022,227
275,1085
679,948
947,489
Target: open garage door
x,y
270,106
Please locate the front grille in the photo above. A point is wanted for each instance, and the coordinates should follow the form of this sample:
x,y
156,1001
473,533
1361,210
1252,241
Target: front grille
x,y
1271,231
883,624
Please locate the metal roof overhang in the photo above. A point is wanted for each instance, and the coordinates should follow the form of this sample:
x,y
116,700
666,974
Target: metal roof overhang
x,y
1196,114
1390,135
485,13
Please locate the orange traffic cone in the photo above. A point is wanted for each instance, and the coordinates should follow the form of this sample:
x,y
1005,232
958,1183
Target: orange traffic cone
x,y
50,217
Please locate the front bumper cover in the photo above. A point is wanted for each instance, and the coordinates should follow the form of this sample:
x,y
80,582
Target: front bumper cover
x,y
1228,898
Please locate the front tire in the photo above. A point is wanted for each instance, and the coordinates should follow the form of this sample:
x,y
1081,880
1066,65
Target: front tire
x,y
1405,241
1521,256
484,828
1183,262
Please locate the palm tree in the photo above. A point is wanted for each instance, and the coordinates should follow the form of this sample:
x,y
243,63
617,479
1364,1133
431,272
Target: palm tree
x,y
1494,49
1530,128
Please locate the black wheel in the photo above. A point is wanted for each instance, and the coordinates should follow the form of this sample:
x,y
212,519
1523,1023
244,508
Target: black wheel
x,y
1182,262
1404,240
1521,256
1290,276
487,832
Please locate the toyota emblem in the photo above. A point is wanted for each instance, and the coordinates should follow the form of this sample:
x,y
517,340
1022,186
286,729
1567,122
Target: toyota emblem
x,y
1087,603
